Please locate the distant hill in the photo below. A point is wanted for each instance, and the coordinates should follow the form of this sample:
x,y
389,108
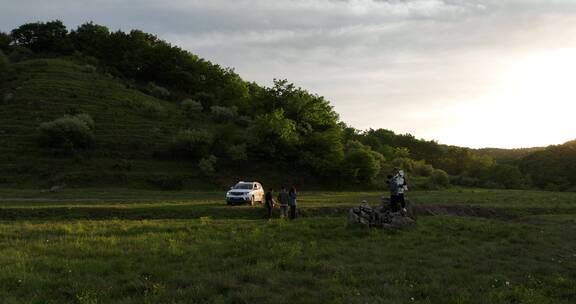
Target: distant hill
x,y
553,168
507,156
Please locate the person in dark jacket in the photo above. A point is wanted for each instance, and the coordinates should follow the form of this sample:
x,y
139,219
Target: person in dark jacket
x,y
269,202
292,194
393,187
283,200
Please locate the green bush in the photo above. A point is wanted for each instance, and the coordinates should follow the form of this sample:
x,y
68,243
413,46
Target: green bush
x,y
68,132
440,178
466,181
4,65
147,107
191,107
244,121
361,166
151,108
403,163
192,143
166,182
157,91
237,152
223,114
206,165
422,168
20,53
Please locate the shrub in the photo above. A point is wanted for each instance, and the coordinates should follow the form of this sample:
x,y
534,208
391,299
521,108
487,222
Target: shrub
x,y
466,181
207,164
509,176
405,164
237,152
147,107
151,108
194,143
157,91
244,121
68,132
223,114
167,182
440,178
361,166
421,168
3,66
191,107
20,53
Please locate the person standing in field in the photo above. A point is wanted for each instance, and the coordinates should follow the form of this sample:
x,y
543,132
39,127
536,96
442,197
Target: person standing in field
x,y
269,202
292,194
402,187
393,187
283,199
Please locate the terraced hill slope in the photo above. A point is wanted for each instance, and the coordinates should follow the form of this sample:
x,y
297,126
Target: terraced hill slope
x,y
130,126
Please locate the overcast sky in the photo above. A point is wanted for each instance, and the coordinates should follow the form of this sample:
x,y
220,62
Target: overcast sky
x,y
472,73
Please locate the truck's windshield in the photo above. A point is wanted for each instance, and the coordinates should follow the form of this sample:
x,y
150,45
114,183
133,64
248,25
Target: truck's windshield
x,y
243,186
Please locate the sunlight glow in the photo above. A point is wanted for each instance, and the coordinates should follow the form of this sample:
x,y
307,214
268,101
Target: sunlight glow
x,y
532,103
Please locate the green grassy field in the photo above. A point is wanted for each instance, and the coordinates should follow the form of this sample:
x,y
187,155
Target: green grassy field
x,y
129,246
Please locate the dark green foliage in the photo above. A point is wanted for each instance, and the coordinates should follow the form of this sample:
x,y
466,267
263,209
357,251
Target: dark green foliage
x,y
237,152
19,53
4,66
147,107
68,132
90,39
440,177
508,156
273,132
194,143
423,169
323,151
361,164
223,114
166,182
553,168
207,165
5,41
157,91
207,100
508,176
191,107
50,37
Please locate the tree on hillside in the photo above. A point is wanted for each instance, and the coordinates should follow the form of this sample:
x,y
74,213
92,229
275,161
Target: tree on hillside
x,y
3,66
508,176
5,41
553,168
361,164
90,39
274,134
40,37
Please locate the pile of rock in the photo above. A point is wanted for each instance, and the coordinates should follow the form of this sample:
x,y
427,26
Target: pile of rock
x,y
380,216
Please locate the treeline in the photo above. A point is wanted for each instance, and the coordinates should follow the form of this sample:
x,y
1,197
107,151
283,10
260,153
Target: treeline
x,y
553,168
279,124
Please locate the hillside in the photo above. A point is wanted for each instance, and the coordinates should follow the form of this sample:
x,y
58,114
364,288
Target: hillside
x,y
129,124
90,107
507,156
553,168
